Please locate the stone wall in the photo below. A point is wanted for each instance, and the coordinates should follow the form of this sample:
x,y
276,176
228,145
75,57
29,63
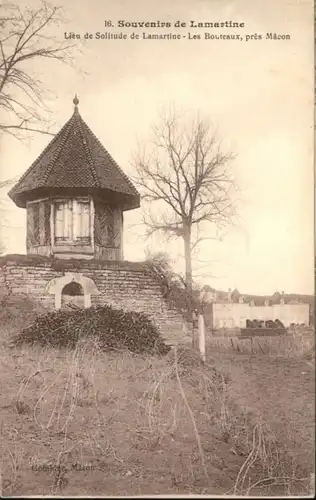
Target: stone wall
x,y
126,285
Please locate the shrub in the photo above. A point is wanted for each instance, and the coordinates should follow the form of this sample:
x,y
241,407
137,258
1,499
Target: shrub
x,y
18,311
113,328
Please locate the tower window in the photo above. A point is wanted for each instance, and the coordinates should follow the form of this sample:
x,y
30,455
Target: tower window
x,y
72,221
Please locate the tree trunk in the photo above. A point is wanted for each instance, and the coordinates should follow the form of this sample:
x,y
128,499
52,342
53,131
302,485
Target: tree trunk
x,y
188,280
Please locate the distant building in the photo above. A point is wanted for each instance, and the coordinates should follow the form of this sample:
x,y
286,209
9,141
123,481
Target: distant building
x,y
229,313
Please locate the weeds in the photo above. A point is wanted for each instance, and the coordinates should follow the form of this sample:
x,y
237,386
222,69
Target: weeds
x,y
290,346
105,409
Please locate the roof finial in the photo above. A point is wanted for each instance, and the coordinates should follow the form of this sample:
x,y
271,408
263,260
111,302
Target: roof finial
x,y
76,102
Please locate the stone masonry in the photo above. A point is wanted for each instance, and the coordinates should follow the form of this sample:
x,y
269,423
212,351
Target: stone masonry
x,y
126,285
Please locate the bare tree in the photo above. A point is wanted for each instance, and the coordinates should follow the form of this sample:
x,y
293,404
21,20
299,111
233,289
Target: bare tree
x,y
26,40
190,181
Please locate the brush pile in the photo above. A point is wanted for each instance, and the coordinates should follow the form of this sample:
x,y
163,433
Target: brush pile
x,y
112,328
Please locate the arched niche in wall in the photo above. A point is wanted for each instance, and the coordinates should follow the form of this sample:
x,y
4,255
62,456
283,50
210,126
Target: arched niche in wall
x,y
72,288
72,294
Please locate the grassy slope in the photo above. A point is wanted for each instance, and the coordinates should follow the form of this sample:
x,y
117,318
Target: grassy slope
x,y
280,391
129,418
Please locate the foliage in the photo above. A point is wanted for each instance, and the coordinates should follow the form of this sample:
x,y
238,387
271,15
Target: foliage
x,y
173,284
18,311
113,329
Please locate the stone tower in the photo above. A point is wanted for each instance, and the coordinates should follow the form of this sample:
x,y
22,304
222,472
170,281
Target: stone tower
x,y
75,195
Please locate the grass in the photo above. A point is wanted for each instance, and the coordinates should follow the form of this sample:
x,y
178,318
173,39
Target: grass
x,y
85,422
291,346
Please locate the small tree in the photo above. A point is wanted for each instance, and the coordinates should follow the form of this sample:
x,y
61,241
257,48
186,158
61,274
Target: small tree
x,y
25,41
174,288
189,179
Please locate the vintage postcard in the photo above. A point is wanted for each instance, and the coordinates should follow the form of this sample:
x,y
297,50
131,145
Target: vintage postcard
x,y
157,248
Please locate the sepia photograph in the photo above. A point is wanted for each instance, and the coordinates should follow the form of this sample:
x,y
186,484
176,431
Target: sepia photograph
x,y
157,248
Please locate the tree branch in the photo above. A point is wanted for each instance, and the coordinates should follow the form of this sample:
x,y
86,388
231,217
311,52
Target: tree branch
x,y
26,37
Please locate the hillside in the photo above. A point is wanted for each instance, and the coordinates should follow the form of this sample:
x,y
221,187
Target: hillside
x,y
86,422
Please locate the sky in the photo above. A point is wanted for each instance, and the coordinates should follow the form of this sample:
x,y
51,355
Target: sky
x,y
258,94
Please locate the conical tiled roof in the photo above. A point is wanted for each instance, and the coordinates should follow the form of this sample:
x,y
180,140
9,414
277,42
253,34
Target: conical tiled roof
x,y
75,159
